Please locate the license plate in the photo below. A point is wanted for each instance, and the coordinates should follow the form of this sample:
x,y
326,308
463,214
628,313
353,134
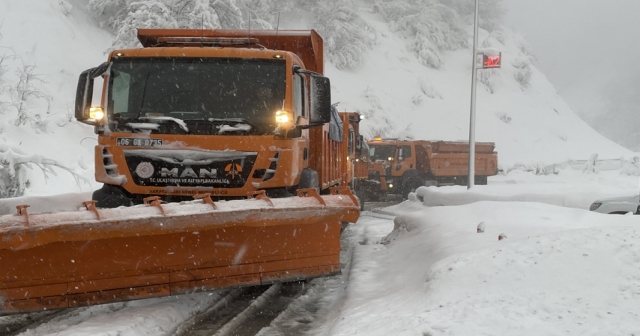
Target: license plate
x,y
140,142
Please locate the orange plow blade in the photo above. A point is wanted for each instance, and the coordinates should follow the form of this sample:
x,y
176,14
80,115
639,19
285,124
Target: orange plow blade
x,y
71,259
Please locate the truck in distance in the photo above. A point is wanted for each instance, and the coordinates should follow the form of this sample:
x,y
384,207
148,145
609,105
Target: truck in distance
x,y
401,166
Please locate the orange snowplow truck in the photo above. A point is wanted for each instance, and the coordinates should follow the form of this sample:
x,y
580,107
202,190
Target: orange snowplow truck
x,y
223,163
400,167
358,157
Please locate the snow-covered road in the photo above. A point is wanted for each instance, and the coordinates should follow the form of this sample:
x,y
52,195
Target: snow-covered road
x,y
414,269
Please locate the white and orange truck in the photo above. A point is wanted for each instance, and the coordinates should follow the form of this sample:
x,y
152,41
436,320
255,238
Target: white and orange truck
x,y
401,166
223,165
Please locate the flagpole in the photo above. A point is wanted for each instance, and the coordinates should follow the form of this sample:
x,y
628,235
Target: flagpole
x,y
472,122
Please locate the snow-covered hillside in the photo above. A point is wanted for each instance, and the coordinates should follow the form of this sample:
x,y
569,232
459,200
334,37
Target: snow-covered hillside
x,y
528,123
60,40
526,119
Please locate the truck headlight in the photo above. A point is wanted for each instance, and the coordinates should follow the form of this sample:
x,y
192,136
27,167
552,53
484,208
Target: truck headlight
x,y
284,121
96,113
283,117
595,206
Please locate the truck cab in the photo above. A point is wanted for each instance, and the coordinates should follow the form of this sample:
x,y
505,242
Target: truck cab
x,y
211,111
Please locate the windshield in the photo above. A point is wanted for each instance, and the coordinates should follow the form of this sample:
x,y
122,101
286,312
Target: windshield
x,y
382,152
198,89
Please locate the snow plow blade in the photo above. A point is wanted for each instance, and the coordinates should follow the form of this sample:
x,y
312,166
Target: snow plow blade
x,y
71,259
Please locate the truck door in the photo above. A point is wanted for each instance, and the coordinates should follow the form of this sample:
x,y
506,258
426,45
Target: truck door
x,y
403,160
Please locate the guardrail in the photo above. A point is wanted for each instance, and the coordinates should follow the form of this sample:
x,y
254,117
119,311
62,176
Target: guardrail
x,y
593,165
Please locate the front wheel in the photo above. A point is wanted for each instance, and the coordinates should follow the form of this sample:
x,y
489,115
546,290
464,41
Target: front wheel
x,y
410,186
481,180
110,196
359,191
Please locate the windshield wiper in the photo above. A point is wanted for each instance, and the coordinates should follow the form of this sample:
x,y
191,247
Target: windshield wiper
x,y
180,122
241,125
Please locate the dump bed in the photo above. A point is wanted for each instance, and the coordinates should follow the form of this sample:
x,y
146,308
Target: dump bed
x,y
451,158
306,44
461,147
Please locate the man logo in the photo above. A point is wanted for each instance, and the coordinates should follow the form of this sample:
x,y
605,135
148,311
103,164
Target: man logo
x,y
233,170
144,170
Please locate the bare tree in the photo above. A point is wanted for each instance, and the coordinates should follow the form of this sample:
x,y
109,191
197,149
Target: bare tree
x,y
25,92
6,56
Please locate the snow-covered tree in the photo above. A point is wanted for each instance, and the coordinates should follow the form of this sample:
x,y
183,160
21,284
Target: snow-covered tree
x,y
523,71
6,54
524,48
144,14
264,13
346,35
109,13
490,12
495,39
13,177
26,92
489,78
430,27
123,17
631,167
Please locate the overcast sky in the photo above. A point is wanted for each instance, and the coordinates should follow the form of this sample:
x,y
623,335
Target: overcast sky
x,y
573,36
590,51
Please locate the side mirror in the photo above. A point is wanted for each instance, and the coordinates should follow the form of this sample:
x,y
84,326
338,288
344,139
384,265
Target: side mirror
x,y
360,146
359,142
320,106
84,93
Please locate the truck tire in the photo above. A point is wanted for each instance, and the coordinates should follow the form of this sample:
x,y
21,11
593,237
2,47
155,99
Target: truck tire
x,y
481,180
309,179
411,185
359,190
370,192
411,180
110,196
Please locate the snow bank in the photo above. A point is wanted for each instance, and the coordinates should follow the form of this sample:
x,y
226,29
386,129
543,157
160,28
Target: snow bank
x,y
43,204
559,271
568,188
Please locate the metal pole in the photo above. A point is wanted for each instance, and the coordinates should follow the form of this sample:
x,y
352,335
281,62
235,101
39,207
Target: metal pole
x,y
472,122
